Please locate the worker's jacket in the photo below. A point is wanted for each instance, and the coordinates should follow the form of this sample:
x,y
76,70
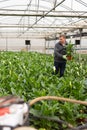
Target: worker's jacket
x,y
59,51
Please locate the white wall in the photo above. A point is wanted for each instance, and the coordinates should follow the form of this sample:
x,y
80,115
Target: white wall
x,y
36,44
19,44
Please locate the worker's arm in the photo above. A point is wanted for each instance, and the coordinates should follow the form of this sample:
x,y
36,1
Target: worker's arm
x,y
57,51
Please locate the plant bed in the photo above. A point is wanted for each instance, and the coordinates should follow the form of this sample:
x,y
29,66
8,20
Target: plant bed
x,y
20,74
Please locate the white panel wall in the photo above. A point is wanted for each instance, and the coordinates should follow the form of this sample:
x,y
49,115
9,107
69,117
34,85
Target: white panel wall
x,y
19,44
36,44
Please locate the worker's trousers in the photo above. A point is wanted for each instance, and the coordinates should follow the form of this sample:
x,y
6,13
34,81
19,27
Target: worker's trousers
x,y
60,67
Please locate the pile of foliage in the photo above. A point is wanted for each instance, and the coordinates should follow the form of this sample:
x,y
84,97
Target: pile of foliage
x,y
29,75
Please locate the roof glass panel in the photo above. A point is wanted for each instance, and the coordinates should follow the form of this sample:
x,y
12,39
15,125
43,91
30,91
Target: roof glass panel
x,y
38,17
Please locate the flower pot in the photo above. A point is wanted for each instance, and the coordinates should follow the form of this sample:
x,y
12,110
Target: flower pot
x,y
69,57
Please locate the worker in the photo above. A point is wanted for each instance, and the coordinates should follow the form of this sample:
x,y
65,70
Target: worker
x,y
60,57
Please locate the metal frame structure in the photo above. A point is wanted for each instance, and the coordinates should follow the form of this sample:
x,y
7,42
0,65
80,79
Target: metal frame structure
x,y
41,18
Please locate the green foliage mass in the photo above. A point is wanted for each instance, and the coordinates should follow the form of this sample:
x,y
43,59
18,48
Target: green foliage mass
x,y
29,75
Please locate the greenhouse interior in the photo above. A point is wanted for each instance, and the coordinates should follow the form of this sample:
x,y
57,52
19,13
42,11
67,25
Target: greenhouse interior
x,y
37,92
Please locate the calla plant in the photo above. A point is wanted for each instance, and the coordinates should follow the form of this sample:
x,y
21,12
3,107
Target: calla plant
x,y
70,49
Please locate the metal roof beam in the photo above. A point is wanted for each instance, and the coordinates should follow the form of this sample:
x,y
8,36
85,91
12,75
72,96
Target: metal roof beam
x,y
43,26
48,15
41,11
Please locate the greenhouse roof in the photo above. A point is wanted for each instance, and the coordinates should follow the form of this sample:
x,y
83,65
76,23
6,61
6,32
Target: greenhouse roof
x,y
41,18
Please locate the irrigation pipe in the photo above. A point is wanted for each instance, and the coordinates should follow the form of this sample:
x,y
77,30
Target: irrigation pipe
x,y
32,102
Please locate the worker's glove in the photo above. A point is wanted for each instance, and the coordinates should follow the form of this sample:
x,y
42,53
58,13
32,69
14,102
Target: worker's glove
x,y
65,57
